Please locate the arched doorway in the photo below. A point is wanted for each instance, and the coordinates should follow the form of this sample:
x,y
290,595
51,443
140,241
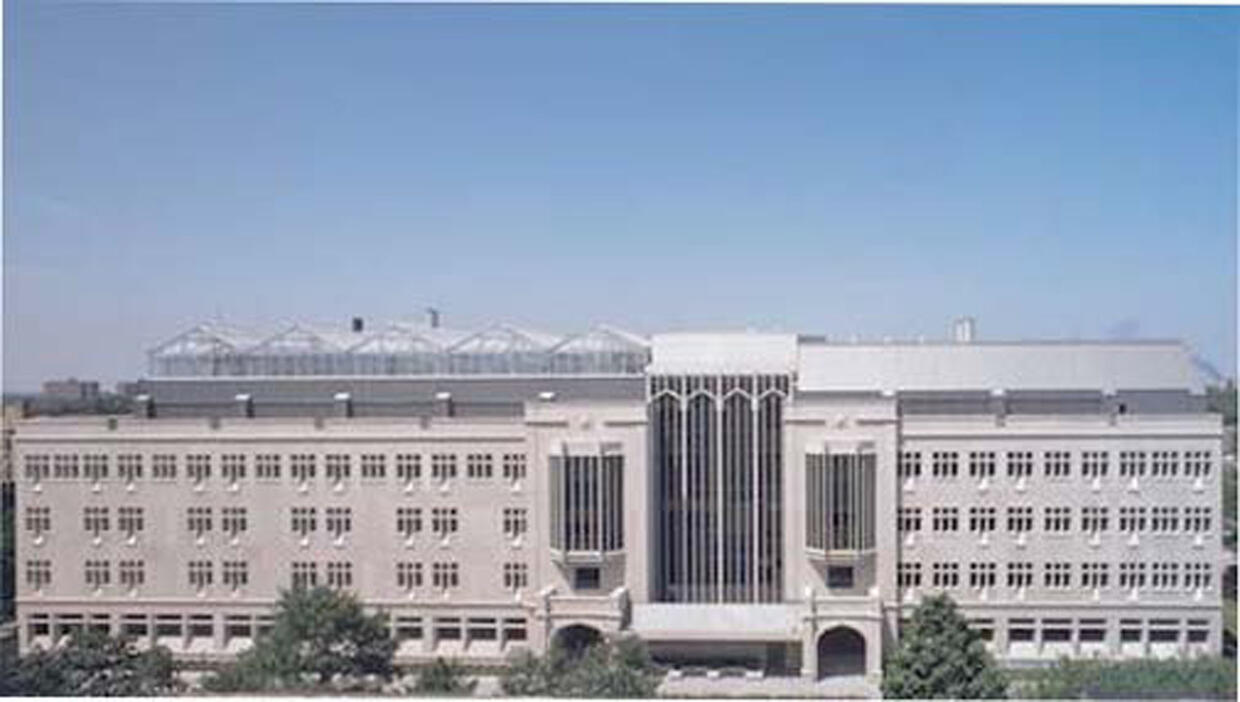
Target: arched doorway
x,y
575,639
841,651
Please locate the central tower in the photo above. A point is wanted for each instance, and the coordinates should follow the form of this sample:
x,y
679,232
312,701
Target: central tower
x,y
718,479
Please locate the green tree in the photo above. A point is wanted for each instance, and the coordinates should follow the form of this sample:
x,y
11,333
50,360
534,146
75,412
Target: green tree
x,y
91,664
319,636
940,657
444,678
619,668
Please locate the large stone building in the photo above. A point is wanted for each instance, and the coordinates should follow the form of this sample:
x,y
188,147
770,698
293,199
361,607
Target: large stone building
x,y
770,500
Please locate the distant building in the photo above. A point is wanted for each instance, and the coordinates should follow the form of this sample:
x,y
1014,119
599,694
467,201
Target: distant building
x,y
773,500
71,389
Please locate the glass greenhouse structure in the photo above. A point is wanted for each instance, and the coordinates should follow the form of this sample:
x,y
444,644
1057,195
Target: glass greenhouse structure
x,y
210,350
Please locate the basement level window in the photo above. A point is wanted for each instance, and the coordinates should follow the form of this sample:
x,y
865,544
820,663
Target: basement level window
x,y
586,579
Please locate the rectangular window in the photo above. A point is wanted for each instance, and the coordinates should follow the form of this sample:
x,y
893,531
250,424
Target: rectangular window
x,y
1020,519
1057,464
235,574
38,467
1197,520
65,467
232,465
38,574
945,519
1131,519
840,577
305,574
98,574
408,467
945,575
514,466
129,467
164,466
303,467
586,578
448,628
514,629
516,576
908,574
1094,464
305,521
945,464
338,521
1094,519
1165,576
339,467
478,465
374,466
443,466
1197,464
408,628
982,575
131,574
130,520
1057,575
1197,575
1057,519
516,521
1164,464
339,575
910,519
95,519
444,520
483,629
198,520
981,464
1020,574
1021,631
38,520
1132,575
981,519
1019,464
909,464
1165,519
1131,464
95,467
1095,575
267,466
408,575
233,520
198,467
200,574
445,575
408,521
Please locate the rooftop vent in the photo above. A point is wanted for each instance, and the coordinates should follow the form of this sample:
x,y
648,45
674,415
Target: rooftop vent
x,y
964,330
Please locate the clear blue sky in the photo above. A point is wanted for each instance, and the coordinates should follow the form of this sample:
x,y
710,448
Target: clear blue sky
x,y
1063,172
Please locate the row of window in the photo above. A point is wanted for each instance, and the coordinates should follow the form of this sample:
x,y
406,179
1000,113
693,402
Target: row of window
x,y
302,467
1059,575
1091,630
1057,464
131,574
243,626
337,521
1093,519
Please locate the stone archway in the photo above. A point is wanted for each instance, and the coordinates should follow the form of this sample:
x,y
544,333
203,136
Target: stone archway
x,y
841,651
576,638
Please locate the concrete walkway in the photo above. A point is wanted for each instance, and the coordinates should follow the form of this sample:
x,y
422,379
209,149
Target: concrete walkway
x,y
844,686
